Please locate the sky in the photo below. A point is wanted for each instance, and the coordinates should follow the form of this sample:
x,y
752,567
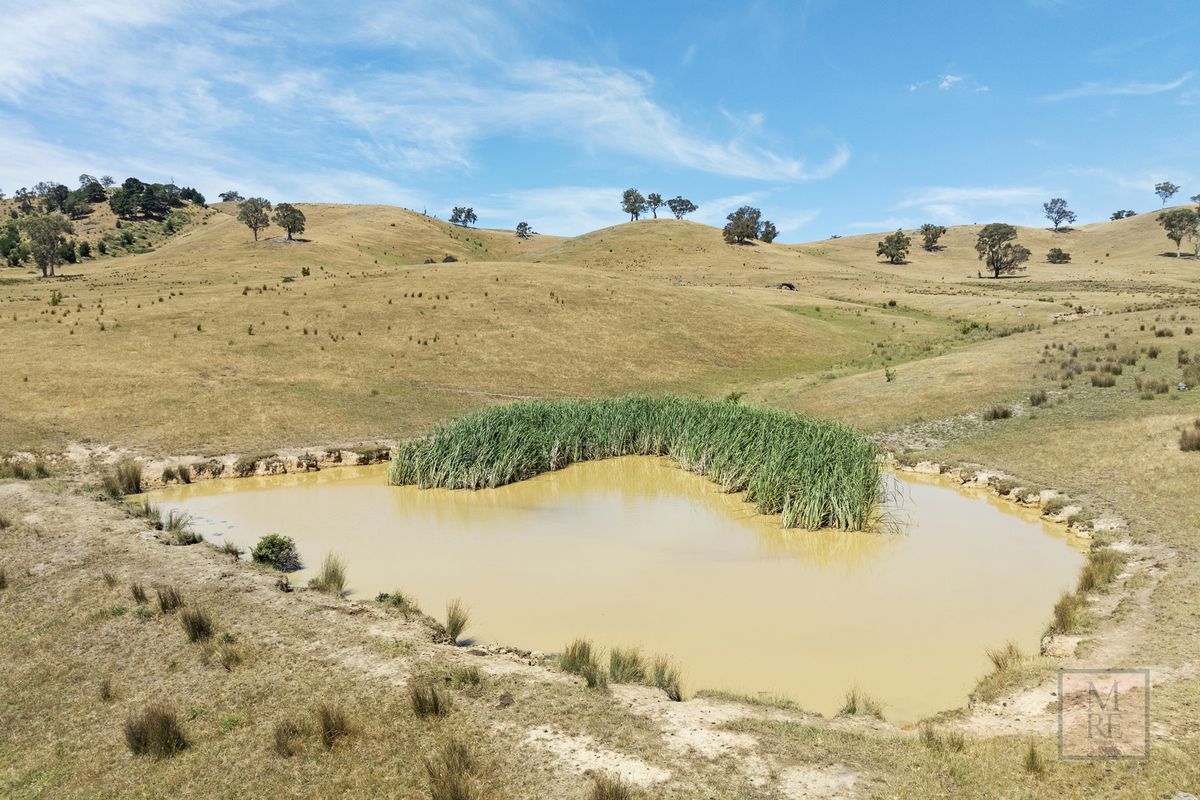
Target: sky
x,y
832,117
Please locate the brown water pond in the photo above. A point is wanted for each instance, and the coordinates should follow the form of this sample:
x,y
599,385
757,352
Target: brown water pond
x,y
635,551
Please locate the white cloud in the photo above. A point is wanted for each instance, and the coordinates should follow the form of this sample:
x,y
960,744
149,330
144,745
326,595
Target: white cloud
x,y
948,81
1121,89
951,83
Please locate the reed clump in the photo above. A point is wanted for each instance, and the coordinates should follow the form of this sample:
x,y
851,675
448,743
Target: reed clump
x,y
332,577
457,617
859,703
154,732
813,473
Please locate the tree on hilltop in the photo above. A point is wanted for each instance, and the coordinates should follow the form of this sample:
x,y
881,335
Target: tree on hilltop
x,y
997,249
930,234
894,247
654,202
681,206
1122,214
463,215
231,196
633,204
525,230
290,218
45,234
1178,224
1058,213
743,224
85,179
1165,191
107,181
768,232
255,214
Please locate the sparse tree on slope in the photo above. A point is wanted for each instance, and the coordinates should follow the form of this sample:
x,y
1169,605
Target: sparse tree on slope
x,y
45,233
290,218
1165,191
633,204
997,249
1122,214
681,206
654,202
231,196
768,232
894,247
524,230
745,223
255,214
463,215
930,234
1180,223
85,179
107,181
1058,213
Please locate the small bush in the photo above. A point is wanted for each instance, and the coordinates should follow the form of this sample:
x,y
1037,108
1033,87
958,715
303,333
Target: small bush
x,y
400,601
1038,397
169,598
610,787
576,656
951,741
332,724
859,703
453,772
287,732
278,551
154,732
138,592
1163,333
666,678
1066,614
5,522
457,617
449,260
1058,256
110,580
625,665
1054,506
248,465
231,549
1104,380
427,701
332,577
997,412
197,624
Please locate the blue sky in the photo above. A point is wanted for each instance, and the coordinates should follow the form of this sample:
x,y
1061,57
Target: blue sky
x,y
833,117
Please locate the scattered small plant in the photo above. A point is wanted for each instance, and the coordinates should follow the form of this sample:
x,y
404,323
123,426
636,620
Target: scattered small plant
x,y
666,678
427,701
1104,380
138,592
1189,438
124,478
155,732
465,676
996,412
1103,566
1034,763
106,690
1038,397
197,624
110,580
1005,658
231,549
277,551
400,601
457,617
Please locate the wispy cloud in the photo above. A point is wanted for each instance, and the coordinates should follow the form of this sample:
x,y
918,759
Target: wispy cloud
x,y
964,204
1117,89
950,82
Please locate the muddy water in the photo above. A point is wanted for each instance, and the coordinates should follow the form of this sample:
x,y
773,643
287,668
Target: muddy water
x,y
635,551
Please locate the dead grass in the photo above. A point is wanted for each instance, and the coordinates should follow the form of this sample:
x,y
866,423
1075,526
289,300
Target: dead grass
x,y
169,598
287,736
197,624
610,787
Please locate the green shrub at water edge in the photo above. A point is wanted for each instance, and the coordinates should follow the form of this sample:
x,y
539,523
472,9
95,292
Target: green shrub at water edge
x,y
814,473
278,551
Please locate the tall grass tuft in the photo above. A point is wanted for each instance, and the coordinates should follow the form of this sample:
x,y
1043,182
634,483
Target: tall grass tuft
x,y
1006,657
177,526
332,724
610,787
287,733
576,656
3,578
1035,764
457,617
154,732
332,577
169,598
1102,568
124,478
859,703
666,678
625,665
1067,614
453,772
1189,438
138,592
813,473
197,624
427,701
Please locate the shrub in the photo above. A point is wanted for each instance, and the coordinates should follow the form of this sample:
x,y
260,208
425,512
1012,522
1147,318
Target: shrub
x,y
5,522
332,577
625,665
138,592
1104,380
1038,397
149,512
1163,333
197,624
155,732
453,772
287,732
1189,438
666,678
332,724
1058,256
859,703
169,598
813,473
449,260
110,580
1054,506
248,465
399,600
457,617
427,701
278,551
997,412
231,549
610,787
576,655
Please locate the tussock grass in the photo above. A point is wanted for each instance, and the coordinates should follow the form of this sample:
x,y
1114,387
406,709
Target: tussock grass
x,y
427,701
1189,438
124,478
1068,614
1102,567
23,469
169,598
610,787
287,736
594,676
625,665
576,656
666,678
1034,763
332,724
149,512
859,703
231,549
939,742
332,577
5,522
106,690
814,473
197,624
1038,397
453,772
400,601
138,591
110,580
177,527
466,676
3,578
1005,658
457,617
993,413
154,732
